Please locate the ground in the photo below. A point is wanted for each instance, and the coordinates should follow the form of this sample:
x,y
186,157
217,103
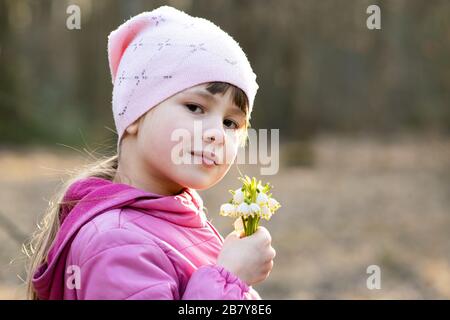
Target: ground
x,y
353,203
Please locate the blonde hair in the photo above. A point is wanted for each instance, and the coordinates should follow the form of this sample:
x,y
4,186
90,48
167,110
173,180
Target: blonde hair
x,y
37,248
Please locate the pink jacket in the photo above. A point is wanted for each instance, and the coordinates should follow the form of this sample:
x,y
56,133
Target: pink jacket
x,y
120,242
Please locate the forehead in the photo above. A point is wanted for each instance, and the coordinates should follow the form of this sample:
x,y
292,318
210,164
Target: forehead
x,y
200,90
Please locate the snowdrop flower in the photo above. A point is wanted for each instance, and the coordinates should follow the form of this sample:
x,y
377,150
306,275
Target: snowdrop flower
x,y
262,199
274,205
238,196
227,209
249,204
254,209
266,213
243,209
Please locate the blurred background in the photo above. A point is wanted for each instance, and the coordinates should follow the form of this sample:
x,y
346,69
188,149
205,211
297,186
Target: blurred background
x,y
364,122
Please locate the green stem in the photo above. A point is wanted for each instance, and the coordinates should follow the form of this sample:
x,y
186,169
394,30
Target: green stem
x,y
247,229
252,225
249,226
244,224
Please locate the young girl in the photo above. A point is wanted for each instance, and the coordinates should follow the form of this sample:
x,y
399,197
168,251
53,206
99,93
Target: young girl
x,y
133,226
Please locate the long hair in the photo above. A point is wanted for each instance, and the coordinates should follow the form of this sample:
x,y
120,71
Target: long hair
x,y
37,248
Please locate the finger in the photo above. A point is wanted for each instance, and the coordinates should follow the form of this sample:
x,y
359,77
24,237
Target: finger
x,y
270,255
264,234
270,266
274,253
232,236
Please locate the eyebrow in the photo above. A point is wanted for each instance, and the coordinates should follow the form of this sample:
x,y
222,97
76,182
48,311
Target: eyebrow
x,y
210,97
203,94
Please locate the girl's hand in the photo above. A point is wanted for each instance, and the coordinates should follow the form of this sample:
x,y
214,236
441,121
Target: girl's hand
x,y
250,258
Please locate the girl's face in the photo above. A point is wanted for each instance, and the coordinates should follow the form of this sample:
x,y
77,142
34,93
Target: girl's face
x,y
189,140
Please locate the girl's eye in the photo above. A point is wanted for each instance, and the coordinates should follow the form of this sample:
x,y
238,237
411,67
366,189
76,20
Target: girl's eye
x,y
193,107
230,124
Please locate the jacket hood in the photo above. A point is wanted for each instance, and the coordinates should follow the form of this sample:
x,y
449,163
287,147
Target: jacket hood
x,y
86,198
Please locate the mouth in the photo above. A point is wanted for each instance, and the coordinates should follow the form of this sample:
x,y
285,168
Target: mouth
x,y
209,160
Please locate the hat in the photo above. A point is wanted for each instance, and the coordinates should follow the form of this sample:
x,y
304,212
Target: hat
x,y
157,54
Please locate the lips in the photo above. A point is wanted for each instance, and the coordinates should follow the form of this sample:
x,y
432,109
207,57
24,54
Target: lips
x,y
208,158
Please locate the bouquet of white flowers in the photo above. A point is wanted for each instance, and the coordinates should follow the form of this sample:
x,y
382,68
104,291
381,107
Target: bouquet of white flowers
x,y
250,203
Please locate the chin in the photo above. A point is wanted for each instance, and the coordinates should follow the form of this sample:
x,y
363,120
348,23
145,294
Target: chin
x,y
198,181
198,184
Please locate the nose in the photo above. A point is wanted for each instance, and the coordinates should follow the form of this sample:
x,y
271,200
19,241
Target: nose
x,y
214,135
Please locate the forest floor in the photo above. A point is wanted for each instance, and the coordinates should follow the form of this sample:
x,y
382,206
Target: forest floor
x,y
356,202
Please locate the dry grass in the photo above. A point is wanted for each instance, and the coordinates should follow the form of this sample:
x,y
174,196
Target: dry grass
x,y
360,202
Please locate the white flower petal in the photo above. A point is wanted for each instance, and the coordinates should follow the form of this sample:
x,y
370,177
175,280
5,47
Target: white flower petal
x,y
266,213
254,209
227,209
262,199
274,204
238,196
243,209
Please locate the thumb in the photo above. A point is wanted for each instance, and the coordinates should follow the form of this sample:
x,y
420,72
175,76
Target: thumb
x,y
235,235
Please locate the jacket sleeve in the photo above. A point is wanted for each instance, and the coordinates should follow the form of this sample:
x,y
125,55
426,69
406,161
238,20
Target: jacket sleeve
x,y
120,264
214,282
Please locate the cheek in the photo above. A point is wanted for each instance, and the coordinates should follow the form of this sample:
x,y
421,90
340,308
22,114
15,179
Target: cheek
x,y
155,141
231,147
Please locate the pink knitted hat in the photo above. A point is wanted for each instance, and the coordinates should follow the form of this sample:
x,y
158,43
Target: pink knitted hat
x,y
157,54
